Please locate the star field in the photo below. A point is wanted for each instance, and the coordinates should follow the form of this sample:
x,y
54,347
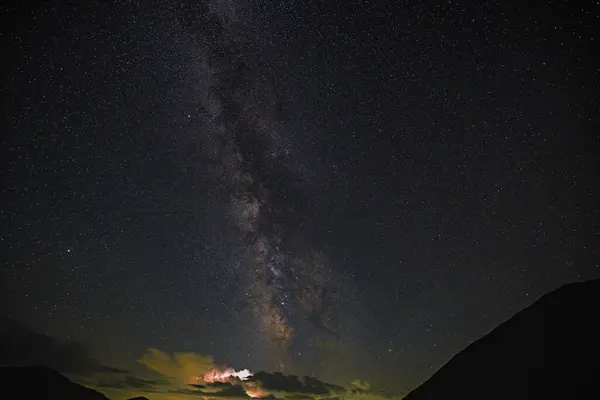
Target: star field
x,y
340,190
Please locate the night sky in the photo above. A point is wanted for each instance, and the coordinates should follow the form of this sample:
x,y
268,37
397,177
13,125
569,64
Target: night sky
x,y
334,189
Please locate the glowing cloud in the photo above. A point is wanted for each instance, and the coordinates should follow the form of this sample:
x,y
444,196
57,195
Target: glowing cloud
x,y
185,367
253,390
226,375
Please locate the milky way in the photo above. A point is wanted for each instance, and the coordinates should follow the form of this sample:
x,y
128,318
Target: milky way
x,y
286,278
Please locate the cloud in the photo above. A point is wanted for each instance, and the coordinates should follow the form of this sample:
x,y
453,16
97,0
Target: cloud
x,y
186,391
231,391
225,390
21,345
292,387
365,386
371,395
132,382
185,367
139,383
298,396
278,382
214,385
116,384
111,370
182,379
189,368
197,386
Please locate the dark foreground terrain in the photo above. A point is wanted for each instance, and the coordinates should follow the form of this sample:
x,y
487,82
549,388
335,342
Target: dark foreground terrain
x,y
37,383
550,350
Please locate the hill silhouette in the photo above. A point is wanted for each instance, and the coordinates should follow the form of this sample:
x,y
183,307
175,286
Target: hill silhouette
x,y
40,382
550,350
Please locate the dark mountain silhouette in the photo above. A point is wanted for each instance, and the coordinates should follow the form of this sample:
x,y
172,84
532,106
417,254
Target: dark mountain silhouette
x,y
550,350
39,383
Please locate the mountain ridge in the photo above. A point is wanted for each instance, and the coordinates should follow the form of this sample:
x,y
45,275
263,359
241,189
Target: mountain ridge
x,y
41,382
525,356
